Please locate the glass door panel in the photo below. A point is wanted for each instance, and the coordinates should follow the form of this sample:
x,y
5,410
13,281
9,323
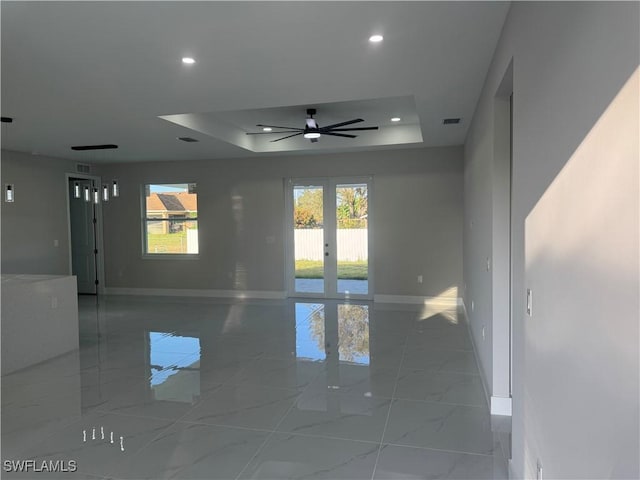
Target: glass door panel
x,y
309,239
352,246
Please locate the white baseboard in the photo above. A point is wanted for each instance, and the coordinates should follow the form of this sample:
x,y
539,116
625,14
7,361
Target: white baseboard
x,y
417,300
179,292
501,406
466,314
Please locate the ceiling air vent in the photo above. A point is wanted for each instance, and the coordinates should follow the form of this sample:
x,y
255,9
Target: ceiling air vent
x,y
83,168
450,121
94,147
188,139
7,119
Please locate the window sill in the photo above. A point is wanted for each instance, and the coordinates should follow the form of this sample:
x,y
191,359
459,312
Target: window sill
x,y
171,256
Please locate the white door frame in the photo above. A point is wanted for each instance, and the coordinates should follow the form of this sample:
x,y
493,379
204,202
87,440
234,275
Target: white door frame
x,y
97,181
328,185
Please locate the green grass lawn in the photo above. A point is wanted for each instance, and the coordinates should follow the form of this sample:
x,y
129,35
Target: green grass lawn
x,y
167,242
346,270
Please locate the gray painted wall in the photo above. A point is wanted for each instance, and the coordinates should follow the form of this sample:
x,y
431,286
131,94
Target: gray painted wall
x,y
570,60
417,214
581,264
37,217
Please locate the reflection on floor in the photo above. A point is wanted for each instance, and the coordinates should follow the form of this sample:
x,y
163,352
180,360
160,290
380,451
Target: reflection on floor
x,y
316,285
212,389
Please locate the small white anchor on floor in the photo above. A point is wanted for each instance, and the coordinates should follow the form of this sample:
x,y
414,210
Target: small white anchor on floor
x,y
102,436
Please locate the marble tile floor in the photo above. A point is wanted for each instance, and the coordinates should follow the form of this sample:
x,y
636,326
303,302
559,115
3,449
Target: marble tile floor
x,y
215,389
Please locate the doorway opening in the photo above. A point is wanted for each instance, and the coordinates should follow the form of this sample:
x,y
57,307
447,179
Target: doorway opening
x,y
85,233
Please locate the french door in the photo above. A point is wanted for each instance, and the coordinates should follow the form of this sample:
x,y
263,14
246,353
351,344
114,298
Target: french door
x,y
329,237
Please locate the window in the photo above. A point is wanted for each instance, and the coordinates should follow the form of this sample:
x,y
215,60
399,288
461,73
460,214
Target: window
x,y
171,219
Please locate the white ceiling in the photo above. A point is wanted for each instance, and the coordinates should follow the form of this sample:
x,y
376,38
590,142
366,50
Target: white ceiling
x,y
78,73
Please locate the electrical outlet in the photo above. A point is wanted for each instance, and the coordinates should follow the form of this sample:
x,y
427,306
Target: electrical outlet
x,y
54,302
488,264
483,332
56,243
419,278
539,471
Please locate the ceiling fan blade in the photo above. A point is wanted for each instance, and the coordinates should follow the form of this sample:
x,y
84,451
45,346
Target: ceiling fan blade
x,y
271,133
352,129
339,134
341,124
284,138
276,126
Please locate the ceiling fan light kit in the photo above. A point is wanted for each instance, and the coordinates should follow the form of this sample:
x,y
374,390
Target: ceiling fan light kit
x,y
312,130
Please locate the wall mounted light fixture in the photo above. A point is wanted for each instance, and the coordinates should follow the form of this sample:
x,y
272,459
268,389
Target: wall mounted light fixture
x,y
9,193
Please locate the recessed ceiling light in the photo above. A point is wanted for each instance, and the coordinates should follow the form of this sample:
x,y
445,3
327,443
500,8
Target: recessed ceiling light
x,y
311,135
267,129
188,60
396,119
376,38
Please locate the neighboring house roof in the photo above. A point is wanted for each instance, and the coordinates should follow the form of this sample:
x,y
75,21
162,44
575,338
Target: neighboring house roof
x,y
189,201
172,202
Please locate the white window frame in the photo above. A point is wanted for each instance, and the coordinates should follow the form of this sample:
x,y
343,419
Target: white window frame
x,y
143,224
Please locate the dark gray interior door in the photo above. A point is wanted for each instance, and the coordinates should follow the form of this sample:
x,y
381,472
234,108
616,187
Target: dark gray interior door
x,y
83,238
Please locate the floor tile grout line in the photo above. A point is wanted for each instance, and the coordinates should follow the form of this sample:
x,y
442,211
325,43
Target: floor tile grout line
x,y
433,402
186,422
393,396
326,437
458,452
274,431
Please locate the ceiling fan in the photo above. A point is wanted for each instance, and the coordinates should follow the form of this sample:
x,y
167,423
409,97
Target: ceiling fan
x,y
312,130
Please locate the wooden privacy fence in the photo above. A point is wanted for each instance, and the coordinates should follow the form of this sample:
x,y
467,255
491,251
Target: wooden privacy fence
x,y
352,244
